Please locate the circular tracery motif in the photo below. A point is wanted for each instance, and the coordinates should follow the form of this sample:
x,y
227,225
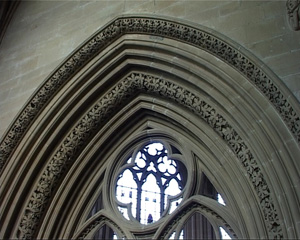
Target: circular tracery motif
x,y
150,184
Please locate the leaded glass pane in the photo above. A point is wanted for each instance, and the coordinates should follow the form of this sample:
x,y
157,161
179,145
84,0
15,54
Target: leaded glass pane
x,y
151,180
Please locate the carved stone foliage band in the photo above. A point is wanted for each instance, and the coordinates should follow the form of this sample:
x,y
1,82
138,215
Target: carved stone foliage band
x,y
105,108
159,27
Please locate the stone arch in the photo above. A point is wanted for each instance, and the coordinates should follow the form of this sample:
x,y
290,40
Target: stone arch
x,y
195,69
96,223
195,204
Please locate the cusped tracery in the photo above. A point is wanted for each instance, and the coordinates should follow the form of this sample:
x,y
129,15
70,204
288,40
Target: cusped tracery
x,y
151,184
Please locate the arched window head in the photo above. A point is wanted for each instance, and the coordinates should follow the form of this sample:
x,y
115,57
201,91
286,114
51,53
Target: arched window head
x,y
151,183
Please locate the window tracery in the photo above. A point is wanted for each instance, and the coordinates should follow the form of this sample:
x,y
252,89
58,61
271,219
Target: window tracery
x,y
149,185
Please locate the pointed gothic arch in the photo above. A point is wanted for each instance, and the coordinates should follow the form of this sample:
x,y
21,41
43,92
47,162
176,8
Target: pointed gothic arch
x,y
144,71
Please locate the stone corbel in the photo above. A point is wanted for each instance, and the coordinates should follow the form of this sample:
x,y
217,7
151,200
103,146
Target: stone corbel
x,y
293,11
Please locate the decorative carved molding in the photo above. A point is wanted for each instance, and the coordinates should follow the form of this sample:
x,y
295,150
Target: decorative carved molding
x,y
105,108
166,232
158,27
188,212
293,11
96,223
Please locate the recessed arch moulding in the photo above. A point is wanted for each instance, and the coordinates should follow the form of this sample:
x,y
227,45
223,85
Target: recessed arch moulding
x,y
184,82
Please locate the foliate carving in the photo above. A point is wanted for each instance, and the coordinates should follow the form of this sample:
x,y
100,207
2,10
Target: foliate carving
x,y
103,110
293,11
69,150
222,127
161,28
51,86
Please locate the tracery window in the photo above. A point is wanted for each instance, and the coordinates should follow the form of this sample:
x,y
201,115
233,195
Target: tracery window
x,y
148,186
151,184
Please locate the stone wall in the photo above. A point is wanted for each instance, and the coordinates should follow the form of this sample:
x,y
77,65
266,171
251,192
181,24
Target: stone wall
x,y
42,33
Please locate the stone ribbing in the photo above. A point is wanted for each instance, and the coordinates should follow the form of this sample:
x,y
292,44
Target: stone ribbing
x,y
191,209
95,224
115,99
159,27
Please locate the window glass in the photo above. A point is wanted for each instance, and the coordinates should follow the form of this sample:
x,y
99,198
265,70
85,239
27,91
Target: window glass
x,y
151,185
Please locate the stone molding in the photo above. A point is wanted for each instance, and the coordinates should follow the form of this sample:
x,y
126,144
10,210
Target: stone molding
x,y
117,97
133,84
183,214
95,224
187,212
154,26
293,11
